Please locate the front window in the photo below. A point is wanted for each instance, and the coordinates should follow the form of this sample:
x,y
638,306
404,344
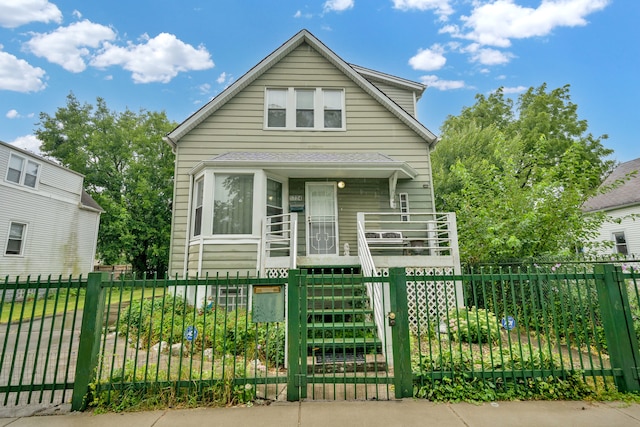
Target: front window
x,y
304,109
332,108
233,204
276,108
22,171
15,243
621,243
197,207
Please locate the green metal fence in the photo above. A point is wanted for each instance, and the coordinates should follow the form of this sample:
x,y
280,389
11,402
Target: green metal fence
x,y
197,338
507,326
39,334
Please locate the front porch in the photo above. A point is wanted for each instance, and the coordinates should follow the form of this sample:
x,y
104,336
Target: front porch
x,y
384,240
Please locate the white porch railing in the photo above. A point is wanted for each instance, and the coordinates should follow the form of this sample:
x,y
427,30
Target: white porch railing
x,y
407,234
279,245
377,292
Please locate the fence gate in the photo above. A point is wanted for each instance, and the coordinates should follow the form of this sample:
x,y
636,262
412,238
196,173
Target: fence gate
x,y
336,350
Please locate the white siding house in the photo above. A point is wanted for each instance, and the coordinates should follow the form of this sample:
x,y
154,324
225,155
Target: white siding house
x,y
48,223
622,206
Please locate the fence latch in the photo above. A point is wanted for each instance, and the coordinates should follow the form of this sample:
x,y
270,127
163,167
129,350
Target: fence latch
x,y
392,318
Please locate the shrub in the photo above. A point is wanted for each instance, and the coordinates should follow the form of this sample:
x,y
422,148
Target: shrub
x,y
473,325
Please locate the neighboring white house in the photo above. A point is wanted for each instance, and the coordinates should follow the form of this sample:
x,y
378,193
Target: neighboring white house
x,y
48,223
622,205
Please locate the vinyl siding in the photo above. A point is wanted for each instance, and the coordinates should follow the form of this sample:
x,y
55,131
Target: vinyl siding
x,y
404,98
224,259
627,225
238,126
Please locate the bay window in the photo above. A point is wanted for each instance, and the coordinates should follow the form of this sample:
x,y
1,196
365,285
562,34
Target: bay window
x,y
232,204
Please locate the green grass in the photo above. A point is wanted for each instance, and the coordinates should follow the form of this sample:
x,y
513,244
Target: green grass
x,y
66,301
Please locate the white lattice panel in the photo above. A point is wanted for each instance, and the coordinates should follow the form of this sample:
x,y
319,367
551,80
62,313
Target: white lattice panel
x,y
429,300
277,273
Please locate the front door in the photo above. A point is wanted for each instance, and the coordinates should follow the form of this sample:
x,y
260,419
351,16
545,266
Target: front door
x,y
322,218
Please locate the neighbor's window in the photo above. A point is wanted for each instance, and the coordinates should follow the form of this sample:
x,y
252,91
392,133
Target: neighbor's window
x,y
15,243
621,243
197,207
304,108
233,204
22,171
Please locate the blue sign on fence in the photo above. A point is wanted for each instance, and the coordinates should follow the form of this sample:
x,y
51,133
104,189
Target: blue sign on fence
x,y
191,333
508,323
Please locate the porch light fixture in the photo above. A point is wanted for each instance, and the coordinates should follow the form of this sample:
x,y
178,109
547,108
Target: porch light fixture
x,y
341,184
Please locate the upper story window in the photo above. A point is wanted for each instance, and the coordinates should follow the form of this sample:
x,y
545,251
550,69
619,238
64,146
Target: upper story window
x,y
303,108
15,243
22,171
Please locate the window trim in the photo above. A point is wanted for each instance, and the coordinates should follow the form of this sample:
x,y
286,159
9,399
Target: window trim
x,y
318,109
23,239
23,171
617,245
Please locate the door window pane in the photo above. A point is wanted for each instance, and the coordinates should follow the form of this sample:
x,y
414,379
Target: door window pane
x,y
233,204
274,203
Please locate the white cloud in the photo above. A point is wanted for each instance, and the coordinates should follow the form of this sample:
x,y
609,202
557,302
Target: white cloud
x,y
338,5
429,59
497,22
29,143
159,59
487,56
18,75
221,78
67,46
16,13
436,83
298,14
77,14
12,114
442,7
204,88
515,89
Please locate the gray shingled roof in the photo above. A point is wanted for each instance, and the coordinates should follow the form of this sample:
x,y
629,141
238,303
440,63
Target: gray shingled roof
x,y
87,201
624,195
304,157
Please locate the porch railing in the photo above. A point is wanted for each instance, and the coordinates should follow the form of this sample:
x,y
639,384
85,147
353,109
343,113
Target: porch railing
x,y
279,242
377,292
430,234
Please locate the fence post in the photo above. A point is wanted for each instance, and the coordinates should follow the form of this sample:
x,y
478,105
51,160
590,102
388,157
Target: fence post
x,y
89,345
622,342
294,343
402,375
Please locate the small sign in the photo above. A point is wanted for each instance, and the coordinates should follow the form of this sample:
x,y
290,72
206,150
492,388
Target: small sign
x,y
266,289
296,198
508,323
191,333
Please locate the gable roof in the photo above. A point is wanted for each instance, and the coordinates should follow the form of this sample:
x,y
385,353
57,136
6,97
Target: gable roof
x,y
301,37
627,194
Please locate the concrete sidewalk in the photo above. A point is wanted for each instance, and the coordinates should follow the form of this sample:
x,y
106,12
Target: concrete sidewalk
x,y
405,412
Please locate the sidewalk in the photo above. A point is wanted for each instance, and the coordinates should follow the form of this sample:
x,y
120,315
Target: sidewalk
x,y
405,412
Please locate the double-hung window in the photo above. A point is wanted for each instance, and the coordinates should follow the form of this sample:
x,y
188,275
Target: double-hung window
x,y
197,207
15,243
22,171
304,109
621,243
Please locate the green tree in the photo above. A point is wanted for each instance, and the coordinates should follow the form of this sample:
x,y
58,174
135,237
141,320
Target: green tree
x,y
128,170
517,176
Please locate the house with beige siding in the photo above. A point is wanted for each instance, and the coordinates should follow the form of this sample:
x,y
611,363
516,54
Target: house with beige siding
x,y
48,222
307,161
621,204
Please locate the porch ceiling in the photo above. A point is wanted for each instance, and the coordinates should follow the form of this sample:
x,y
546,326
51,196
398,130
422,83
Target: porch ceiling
x,y
314,164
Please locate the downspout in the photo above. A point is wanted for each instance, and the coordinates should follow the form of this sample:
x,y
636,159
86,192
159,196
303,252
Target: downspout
x,y
185,264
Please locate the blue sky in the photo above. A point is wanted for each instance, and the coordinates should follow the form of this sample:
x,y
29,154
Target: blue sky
x,y
175,56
